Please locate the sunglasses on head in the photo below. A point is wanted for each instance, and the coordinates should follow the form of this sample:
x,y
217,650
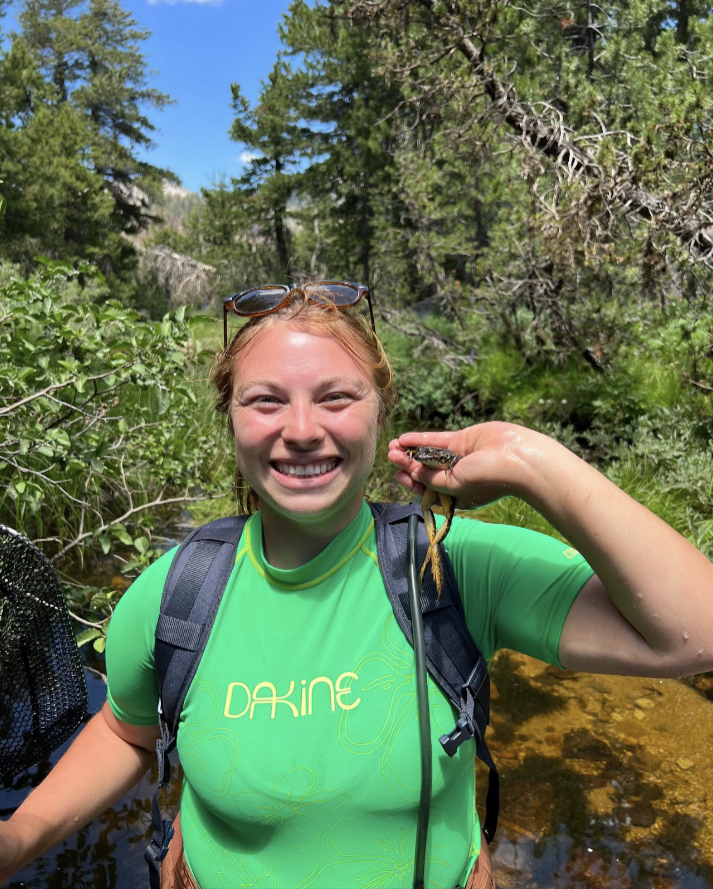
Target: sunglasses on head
x,y
263,300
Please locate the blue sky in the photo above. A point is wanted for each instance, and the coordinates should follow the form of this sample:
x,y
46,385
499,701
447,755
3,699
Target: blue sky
x,y
198,48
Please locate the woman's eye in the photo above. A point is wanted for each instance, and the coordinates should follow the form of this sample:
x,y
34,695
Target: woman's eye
x,y
337,397
264,399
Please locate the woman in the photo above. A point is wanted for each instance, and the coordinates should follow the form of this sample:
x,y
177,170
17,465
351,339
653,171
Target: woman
x,y
299,738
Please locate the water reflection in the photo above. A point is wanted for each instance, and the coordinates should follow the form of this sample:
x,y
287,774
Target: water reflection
x,y
605,783
605,780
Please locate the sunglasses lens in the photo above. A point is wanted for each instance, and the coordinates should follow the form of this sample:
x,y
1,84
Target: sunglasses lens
x,y
337,294
260,300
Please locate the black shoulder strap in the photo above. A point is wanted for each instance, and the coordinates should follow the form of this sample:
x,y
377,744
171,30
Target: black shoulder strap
x,y
191,597
452,657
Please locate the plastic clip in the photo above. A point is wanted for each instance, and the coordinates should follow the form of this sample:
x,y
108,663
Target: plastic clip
x,y
462,732
467,727
156,852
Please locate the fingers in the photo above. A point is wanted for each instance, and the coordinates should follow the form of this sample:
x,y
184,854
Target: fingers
x,y
414,439
415,476
405,480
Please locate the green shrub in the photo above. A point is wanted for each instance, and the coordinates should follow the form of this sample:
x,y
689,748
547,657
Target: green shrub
x,y
101,423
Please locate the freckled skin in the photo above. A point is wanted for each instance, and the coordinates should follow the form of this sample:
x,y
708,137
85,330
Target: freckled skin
x,y
435,458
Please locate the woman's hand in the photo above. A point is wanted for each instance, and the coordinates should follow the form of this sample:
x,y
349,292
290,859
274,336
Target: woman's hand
x,y
497,459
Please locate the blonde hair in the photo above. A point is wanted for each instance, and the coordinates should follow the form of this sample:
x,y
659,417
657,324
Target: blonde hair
x,y
349,328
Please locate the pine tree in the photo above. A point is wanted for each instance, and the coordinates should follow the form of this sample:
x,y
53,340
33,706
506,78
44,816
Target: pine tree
x,y
346,105
114,94
91,51
56,203
274,139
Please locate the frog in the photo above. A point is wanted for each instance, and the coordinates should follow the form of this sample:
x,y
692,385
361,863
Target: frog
x,y
435,458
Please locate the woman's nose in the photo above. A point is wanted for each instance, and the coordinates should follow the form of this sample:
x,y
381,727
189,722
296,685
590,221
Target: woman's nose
x,y
302,425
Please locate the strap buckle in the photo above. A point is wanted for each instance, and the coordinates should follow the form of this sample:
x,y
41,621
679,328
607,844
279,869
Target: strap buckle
x,y
155,852
467,726
462,732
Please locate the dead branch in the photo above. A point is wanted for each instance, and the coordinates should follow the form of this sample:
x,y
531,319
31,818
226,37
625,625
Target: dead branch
x,y
186,279
159,501
542,130
450,352
701,386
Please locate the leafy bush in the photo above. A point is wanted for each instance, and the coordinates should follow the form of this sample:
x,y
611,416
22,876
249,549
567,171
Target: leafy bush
x,y
101,423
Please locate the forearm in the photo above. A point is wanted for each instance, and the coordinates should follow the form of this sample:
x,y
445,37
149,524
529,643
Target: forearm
x,y
99,768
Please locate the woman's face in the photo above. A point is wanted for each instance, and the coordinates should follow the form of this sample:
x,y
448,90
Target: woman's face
x,y
305,415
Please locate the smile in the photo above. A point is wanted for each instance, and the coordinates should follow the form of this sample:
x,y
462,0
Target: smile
x,y
309,469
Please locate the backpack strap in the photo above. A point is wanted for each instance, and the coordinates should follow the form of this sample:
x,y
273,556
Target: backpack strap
x,y
191,597
452,657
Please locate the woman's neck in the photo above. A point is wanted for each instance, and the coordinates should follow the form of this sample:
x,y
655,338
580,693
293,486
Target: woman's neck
x,y
290,542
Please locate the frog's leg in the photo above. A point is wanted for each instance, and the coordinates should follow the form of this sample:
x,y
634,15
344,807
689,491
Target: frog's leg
x,y
448,508
430,497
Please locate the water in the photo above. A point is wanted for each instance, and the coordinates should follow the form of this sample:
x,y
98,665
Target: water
x,y
605,782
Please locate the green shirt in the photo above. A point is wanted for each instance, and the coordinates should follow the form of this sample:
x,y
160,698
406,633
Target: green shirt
x,y
299,736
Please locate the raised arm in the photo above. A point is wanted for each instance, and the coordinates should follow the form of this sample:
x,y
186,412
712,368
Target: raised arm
x,y
649,608
105,761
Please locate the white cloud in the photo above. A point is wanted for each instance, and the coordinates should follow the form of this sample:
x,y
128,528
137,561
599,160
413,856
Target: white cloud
x,y
247,157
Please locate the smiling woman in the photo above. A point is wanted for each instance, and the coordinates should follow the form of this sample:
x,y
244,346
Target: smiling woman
x,y
304,441
299,732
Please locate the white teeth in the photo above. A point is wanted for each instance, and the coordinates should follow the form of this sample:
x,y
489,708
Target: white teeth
x,y
310,470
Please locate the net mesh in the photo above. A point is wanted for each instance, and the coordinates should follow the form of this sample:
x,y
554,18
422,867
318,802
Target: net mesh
x,y
43,695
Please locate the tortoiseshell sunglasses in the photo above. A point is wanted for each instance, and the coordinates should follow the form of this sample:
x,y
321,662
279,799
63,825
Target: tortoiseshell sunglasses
x,y
271,297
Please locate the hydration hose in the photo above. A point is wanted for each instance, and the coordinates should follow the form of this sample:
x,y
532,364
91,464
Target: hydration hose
x,y
424,718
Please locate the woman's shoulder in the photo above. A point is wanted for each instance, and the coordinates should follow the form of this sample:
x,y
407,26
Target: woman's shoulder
x,y
145,592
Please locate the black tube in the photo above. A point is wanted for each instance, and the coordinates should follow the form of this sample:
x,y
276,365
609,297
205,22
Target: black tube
x,y
424,716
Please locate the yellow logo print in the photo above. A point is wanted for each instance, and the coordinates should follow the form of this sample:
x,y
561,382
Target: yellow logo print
x,y
570,552
238,694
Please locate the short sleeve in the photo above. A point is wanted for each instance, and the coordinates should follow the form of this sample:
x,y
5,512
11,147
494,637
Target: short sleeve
x,y
517,586
130,669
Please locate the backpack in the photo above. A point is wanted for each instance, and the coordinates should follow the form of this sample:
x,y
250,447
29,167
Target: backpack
x,y
192,593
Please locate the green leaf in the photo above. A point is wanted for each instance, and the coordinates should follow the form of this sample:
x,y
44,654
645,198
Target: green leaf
x,y
141,544
105,543
20,487
88,635
100,644
120,532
